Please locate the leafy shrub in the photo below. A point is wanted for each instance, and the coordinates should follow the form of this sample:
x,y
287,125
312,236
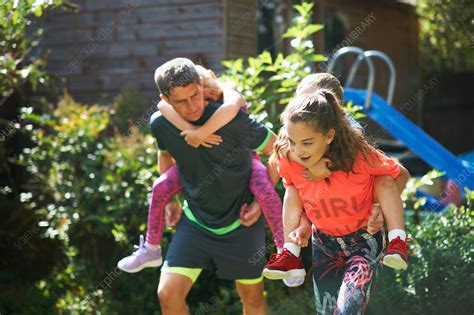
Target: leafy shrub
x,y
18,67
90,186
446,35
440,274
131,111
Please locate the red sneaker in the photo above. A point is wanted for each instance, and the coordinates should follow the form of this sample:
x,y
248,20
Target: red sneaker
x,y
396,256
284,265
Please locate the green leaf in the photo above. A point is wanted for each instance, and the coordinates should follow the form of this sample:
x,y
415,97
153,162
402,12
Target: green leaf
x,y
15,16
313,28
318,58
265,57
38,11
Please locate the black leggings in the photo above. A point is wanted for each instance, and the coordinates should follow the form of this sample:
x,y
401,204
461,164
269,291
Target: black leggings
x,y
345,270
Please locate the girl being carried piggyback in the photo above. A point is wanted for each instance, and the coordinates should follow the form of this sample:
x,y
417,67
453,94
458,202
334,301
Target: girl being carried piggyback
x,y
346,258
148,253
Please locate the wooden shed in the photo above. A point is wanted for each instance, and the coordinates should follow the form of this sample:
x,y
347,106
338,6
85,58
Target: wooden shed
x,y
106,45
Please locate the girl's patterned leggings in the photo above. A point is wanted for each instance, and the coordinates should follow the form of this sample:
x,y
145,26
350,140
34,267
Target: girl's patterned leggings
x,y
345,270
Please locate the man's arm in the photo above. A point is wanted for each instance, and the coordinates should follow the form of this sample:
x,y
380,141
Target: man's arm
x,y
268,148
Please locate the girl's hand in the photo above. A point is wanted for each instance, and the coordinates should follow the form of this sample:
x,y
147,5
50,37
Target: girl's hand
x,y
211,141
212,94
194,139
318,171
301,235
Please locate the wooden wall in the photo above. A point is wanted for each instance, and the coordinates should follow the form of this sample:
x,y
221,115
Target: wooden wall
x,y
240,28
105,45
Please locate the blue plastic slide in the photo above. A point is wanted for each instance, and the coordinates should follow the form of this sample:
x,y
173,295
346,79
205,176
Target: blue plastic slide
x,y
428,149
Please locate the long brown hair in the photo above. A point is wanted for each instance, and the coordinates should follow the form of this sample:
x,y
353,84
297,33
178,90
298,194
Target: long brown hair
x,y
280,147
322,112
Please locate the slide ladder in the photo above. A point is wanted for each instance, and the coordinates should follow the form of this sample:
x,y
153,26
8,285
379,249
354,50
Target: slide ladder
x,y
395,123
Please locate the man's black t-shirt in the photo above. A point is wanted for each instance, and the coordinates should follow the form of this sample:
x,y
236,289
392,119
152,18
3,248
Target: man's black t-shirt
x,y
215,180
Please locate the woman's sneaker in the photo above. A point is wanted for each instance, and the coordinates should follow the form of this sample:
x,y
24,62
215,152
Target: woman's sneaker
x,y
141,258
283,266
396,256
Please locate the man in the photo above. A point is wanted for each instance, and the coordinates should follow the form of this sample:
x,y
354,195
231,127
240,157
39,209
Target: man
x,y
211,234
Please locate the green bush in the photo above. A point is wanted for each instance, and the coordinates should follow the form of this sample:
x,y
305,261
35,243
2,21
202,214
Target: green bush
x,y
17,41
92,189
446,40
440,274
131,111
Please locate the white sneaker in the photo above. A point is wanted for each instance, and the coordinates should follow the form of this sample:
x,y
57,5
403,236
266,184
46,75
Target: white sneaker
x,y
141,258
293,282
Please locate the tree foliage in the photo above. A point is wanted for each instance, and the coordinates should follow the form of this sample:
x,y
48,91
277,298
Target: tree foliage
x,y
446,35
18,37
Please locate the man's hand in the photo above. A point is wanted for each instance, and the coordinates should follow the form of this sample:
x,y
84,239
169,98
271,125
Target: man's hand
x,y
376,220
195,139
318,171
249,214
173,212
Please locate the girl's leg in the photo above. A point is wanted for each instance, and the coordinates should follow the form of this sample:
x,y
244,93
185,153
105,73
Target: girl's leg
x,y
149,253
262,188
361,273
387,194
164,188
288,263
328,272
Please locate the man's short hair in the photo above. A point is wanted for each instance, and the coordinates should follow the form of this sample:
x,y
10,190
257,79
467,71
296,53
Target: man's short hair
x,y
317,81
177,72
